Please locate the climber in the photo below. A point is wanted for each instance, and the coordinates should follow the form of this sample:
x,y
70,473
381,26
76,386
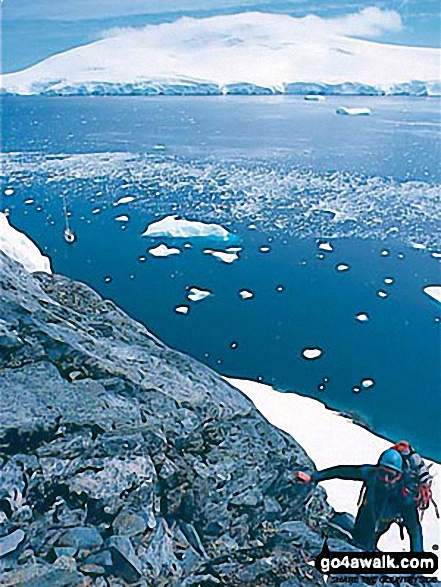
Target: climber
x,y
394,490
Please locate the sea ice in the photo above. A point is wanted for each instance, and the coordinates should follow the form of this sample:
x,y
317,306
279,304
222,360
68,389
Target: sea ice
x,y
20,247
164,251
367,383
342,267
362,317
123,218
381,293
245,294
389,280
312,353
222,255
175,227
434,291
9,191
353,111
195,294
325,246
125,200
182,309
265,249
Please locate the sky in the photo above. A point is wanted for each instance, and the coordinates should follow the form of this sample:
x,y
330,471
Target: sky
x,y
33,30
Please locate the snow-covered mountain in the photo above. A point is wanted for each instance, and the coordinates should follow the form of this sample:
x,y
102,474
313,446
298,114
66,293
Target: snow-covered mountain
x,y
247,53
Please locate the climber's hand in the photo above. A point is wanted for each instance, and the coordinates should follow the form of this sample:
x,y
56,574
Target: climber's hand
x,y
302,478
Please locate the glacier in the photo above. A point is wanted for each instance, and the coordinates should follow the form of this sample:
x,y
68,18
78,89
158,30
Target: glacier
x,y
250,53
19,247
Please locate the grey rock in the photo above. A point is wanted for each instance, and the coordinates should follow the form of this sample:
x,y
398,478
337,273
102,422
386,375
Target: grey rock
x,y
129,524
125,562
11,542
81,538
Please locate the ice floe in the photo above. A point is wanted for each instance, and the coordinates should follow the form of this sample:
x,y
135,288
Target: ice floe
x,y
182,309
163,250
312,353
224,256
124,200
325,246
21,248
353,111
265,249
434,291
175,227
362,317
9,192
122,218
334,440
342,267
246,294
196,294
389,280
381,293
367,383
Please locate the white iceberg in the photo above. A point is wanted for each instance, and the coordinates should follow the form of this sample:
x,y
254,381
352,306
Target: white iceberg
x,y
312,353
433,291
21,248
245,294
223,256
245,53
122,218
195,294
331,439
175,227
182,309
353,111
362,317
164,251
325,246
124,200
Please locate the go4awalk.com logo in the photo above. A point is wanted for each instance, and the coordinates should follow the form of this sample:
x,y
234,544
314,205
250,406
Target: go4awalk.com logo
x,y
378,563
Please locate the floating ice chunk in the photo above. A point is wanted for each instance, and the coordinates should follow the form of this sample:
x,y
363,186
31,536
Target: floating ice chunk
x,y
195,294
367,383
234,345
385,253
362,317
434,291
164,251
325,246
29,201
436,255
312,353
122,218
107,279
389,280
265,249
314,98
342,267
96,210
20,247
222,255
159,147
353,111
418,246
381,293
245,294
125,200
9,192
233,249
182,309
175,227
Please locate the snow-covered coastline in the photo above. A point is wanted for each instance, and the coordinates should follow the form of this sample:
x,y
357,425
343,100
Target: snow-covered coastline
x,y
21,248
331,439
247,53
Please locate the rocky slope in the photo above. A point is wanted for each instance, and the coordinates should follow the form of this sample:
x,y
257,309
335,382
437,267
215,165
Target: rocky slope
x,y
123,462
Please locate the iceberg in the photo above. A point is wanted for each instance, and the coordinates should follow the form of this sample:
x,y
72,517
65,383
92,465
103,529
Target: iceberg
x,y
433,291
353,111
182,309
247,53
124,200
164,251
175,227
333,440
195,294
21,248
224,256
245,294
312,353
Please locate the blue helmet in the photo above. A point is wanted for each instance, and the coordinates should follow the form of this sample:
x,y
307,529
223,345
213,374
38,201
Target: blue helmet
x,y
391,459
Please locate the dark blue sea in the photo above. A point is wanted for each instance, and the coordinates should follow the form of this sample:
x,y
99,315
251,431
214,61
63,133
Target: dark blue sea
x,y
345,208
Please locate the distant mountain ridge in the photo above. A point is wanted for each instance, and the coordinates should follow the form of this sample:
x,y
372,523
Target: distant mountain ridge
x,y
250,53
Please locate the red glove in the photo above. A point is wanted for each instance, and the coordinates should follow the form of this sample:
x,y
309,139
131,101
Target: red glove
x,y
424,496
302,478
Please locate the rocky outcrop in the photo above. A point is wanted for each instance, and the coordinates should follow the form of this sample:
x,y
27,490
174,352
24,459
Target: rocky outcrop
x,y
124,462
